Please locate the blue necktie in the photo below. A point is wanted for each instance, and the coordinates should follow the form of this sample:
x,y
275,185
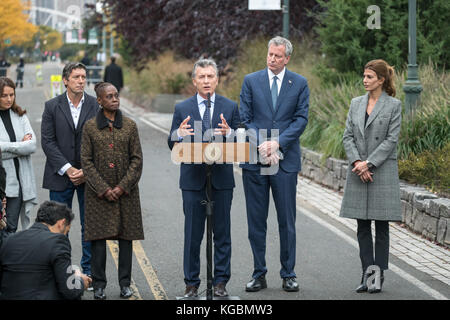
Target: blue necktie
x,y
206,117
274,91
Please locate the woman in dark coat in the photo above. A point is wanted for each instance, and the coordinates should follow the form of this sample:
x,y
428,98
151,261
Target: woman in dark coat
x,y
111,158
372,190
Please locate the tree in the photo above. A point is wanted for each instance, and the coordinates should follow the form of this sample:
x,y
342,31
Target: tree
x,y
348,42
14,27
199,27
51,40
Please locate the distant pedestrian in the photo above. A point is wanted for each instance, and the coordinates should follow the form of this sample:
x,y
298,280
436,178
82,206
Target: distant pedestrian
x,y
86,61
20,70
17,143
4,65
35,264
111,156
95,72
113,74
372,189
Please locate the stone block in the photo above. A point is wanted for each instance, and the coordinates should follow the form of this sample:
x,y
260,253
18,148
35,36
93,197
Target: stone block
x,y
430,225
441,207
404,193
327,178
344,171
422,205
407,193
329,163
447,235
406,212
338,163
306,169
443,227
336,184
422,195
341,184
417,220
314,157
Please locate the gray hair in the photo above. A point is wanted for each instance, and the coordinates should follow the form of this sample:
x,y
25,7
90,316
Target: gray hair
x,y
68,68
280,41
203,63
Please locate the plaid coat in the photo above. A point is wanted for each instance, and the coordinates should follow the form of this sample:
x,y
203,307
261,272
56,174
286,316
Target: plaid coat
x,y
112,157
376,142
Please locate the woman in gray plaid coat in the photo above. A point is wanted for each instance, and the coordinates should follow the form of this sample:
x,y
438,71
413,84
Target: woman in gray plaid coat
x,y
372,189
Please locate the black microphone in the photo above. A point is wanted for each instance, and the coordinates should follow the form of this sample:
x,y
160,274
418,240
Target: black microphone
x,y
208,105
208,95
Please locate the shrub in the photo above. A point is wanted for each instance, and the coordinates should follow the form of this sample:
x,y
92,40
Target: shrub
x,y
431,168
70,51
348,43
165,74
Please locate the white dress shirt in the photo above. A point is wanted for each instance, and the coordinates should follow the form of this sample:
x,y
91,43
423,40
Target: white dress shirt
x,y
202,106
75,111
280,77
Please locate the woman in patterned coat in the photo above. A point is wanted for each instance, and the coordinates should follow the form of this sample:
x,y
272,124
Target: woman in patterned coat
x,y
372,190
111,158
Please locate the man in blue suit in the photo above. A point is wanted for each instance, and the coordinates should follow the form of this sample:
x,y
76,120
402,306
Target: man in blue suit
x,y
192,118
274,104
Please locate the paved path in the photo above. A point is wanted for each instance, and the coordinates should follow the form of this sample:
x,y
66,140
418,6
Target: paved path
x,y
417,252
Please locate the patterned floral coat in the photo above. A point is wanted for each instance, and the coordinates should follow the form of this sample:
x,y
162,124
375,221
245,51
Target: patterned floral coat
x,y
110,157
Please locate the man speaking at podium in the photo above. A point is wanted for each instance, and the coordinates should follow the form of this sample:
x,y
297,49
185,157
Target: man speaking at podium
x,y
189,116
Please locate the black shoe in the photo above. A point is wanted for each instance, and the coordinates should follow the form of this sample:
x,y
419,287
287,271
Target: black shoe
x,y
256,284
373,289
290,284
363,286
191,292
99,294
220,290
125,292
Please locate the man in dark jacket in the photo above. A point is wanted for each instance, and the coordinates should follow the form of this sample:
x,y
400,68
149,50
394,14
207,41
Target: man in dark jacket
x,y
62,123
113,74
35,264
4,65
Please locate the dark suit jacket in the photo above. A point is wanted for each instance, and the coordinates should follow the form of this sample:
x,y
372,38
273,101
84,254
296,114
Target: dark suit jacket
x,y
193,176
35,265
290,118
113,74
60,140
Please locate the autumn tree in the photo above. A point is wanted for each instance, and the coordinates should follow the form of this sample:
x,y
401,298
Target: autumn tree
x,y
193,28
14,26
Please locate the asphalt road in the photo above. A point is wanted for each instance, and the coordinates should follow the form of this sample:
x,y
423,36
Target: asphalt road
x,y
327,266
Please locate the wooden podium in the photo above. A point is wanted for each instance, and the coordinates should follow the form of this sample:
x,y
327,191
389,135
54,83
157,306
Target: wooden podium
x,y
210,153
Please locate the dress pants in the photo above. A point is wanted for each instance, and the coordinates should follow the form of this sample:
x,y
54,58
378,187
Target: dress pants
x,y
98,263
194,229
257,193
66,197
13,206
366,253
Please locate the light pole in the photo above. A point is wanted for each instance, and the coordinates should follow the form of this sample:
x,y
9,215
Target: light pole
x,y
412,85
286,19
